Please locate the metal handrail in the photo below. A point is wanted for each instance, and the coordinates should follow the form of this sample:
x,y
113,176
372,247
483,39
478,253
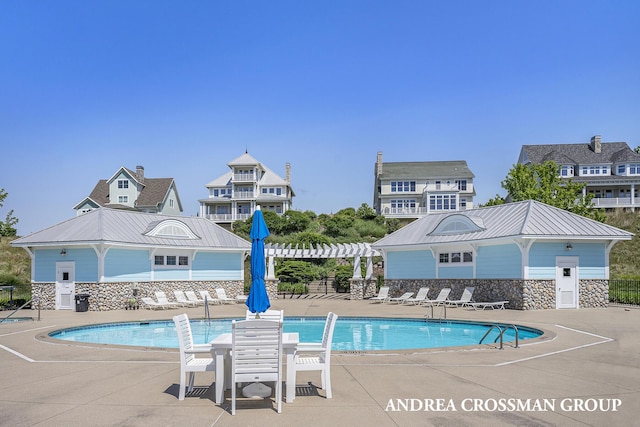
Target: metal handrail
x,y
515,328
16,310
500,335
489,331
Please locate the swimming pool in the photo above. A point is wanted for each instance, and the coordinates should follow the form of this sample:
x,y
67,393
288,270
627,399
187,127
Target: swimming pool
x,y
350,333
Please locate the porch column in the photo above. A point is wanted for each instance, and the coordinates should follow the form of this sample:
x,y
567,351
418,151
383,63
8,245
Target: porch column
x,y
357,271
369,272
633,198
271,274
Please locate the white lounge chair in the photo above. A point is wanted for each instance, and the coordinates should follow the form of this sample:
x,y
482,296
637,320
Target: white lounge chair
x,y
420,297
401,299
182,299
153,305
383,295
495,305
275,315
222,296
466,298
305,360
256,356
208,298
189,363
162,299
192,297
440,299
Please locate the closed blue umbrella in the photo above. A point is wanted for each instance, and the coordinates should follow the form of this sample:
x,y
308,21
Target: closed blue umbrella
x,y
258,300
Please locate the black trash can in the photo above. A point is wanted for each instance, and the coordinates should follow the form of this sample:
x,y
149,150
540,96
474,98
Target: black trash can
x,y
82,302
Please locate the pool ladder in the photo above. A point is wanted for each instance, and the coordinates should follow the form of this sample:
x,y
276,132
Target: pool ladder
x,y
443,312
501,333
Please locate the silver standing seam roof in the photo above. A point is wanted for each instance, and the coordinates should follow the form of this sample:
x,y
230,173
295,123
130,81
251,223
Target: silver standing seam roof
x,y
525,220
128,228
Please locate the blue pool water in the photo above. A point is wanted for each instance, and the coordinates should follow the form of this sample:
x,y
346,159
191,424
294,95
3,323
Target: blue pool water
x,y
350,334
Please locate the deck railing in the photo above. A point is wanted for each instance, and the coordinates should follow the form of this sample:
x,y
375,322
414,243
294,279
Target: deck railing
x,y
624,291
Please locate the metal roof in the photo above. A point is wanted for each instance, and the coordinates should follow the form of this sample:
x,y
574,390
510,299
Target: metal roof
x,y
527,220
120,227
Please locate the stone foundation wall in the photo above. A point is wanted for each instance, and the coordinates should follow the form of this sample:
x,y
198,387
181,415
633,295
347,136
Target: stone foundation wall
x,y
361,288
521,294
114,296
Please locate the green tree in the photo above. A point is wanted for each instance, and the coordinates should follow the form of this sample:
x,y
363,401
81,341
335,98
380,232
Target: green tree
x,y
296,271
498,200
366,212
7,226
294,222
342,279
637,149
542,182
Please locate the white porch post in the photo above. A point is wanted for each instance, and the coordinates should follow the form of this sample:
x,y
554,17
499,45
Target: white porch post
x,y
369,272
271,274
357,271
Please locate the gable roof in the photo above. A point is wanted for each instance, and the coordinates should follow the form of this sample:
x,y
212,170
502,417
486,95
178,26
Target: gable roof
x,y
121,227
443,169
154,192
580,154
269,177
527,220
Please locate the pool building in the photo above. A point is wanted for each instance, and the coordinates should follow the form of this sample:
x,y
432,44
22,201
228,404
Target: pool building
x,y
528,253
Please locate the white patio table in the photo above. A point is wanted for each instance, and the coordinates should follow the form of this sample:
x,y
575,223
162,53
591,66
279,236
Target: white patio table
x,y
220,348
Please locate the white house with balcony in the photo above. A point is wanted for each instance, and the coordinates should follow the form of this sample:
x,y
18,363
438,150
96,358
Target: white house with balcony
x,y
248,183
611,170
415,189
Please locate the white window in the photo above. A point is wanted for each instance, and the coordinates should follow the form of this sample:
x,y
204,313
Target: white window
x,y
401,204
634,169
456,258
566,171
443,202
123,183
621,169
171,261
403,186
461,184
123,199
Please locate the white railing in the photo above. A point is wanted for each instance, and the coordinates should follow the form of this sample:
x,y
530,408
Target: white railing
x,y
227,217
243,194
243,177
402,212
615,202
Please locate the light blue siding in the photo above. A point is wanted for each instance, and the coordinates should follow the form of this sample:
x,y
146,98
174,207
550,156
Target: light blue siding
x,y
176,274
217,266
499,262
86,264
410,265
127,265
591,259
455,272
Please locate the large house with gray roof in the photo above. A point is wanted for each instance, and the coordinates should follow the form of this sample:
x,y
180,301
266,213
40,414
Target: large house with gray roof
x,y
114,255
415,189
528,253
248,183
131,190
610,170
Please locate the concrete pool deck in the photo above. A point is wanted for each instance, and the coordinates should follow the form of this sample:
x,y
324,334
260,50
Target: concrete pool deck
x,y
587,366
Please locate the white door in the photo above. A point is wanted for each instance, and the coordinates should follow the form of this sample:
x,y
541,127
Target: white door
x,y
65,286
566,282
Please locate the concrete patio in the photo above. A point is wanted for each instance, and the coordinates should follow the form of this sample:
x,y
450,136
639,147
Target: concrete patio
x,y
586,366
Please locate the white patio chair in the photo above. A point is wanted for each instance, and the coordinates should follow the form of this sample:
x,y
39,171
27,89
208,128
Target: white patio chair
x,y
208,298
321,361
275,315
420,297
401,299
466,298
192,297
256,356
153,305
182,299
222,296
383,295
440,299
189,363
162,299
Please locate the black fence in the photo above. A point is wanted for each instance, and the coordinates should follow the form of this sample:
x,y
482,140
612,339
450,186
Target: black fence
x,y
624,292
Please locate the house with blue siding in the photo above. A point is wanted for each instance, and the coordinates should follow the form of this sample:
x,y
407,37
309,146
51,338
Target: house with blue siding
x,y
116,255
528,253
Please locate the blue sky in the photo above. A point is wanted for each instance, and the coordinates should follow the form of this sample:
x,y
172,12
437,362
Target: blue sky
x,y
182,88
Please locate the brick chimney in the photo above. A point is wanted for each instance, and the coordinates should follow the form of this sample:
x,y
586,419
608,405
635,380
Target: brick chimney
x,y
140,173
596,144
287,168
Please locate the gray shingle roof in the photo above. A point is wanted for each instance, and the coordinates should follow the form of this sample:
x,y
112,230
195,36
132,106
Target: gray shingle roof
x,y
153,192
443,169
580,154
115,226
528,219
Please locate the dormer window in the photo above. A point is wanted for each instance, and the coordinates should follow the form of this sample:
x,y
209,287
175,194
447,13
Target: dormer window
x,y
457,224
123,183
171,228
